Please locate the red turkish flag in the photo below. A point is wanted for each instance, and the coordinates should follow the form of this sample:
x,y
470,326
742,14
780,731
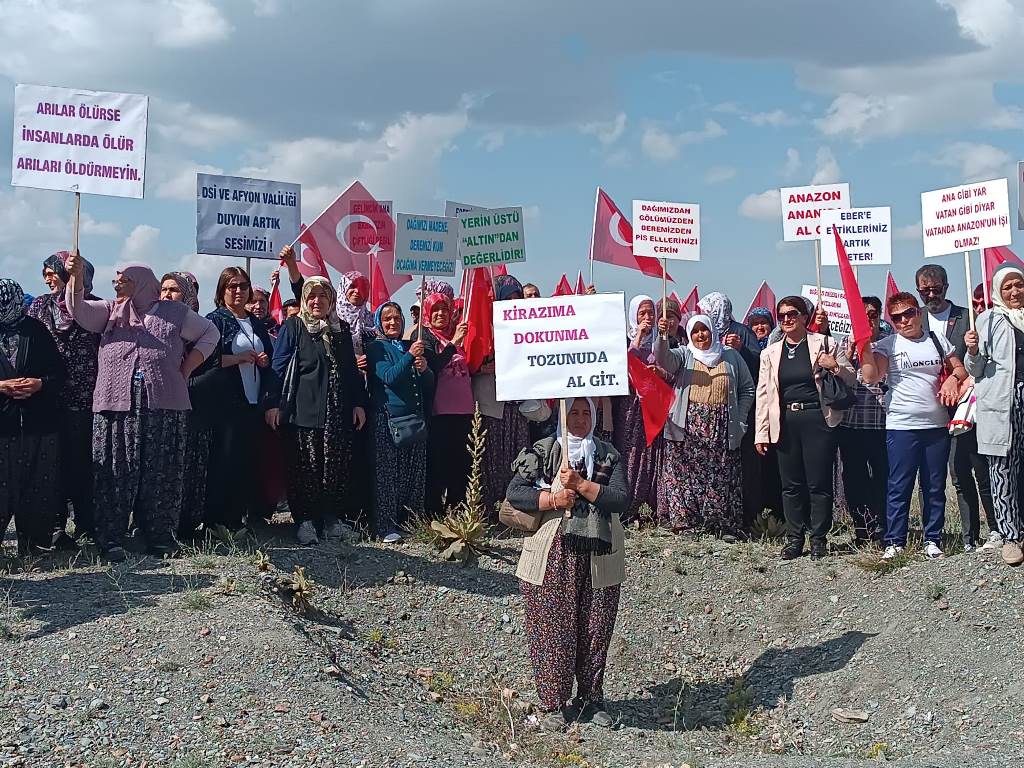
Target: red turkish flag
x,y
499,270
993,258
564,288
891,289
479,343
612,241
581,287
655,396
765,297
276,308
858,315
309,261
356,233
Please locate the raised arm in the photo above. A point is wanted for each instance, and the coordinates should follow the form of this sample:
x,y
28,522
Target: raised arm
x,y
91,314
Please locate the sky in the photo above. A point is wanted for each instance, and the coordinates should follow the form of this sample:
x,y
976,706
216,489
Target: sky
x,y
533,104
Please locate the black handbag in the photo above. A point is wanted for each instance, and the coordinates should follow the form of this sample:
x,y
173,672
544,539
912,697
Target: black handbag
x,y
835,393
407,431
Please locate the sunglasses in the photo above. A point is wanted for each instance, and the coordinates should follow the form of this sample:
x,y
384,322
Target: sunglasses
x,y
789,316
238,286
872,315
907,314
932,291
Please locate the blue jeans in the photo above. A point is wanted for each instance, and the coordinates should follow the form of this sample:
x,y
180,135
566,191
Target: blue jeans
x,y
913,451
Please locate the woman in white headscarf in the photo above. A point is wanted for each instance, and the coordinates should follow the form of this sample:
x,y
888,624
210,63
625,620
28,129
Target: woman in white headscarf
x,y
700,488
995,358
571,569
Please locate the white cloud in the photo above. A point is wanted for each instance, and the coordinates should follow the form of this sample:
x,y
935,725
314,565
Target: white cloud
x,y
658,144
908,232
142,244
492,141
89,226
766,206
607,132
974,162
826,168
793,163
181,183
775,119
267,7
719,173
182,123
190,23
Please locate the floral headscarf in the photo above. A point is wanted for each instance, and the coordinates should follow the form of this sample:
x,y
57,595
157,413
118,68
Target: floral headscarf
x,y
359,319
429,305
764,314
124,314
378,324
634,309
437,286
188,288
12,303
505,286
718,308
55,302
313,325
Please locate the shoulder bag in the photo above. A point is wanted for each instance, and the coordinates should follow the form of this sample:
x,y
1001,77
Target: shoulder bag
x,y
835,393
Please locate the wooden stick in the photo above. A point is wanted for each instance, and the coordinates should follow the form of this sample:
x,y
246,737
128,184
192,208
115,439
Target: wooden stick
x,y
248,267
563,417
970,293
423,301
986,286
74,228
817,265
664,293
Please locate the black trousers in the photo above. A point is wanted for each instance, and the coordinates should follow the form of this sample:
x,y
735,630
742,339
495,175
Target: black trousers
x,y
76,472
232,490
807,457
751,461
966,464
865,478
448,462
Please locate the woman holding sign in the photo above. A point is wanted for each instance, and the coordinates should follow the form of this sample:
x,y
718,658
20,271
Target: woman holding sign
x,y
701,485
571,568
792,416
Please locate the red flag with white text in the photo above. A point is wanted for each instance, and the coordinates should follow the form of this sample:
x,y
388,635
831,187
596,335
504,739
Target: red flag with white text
x,y
564,287
581,287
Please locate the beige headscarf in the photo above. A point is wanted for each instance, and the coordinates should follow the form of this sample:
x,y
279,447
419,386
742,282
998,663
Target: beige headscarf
x,y
333,322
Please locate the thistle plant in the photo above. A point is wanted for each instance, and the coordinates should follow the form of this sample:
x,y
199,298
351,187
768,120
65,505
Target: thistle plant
x,y
462,531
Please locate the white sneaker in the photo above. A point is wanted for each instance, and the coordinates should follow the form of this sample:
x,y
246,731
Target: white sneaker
x,y
392,538
994,541
932,551
969,548
891,551
306,535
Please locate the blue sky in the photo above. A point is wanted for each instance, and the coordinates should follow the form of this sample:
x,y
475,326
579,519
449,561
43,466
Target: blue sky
x,y
534,105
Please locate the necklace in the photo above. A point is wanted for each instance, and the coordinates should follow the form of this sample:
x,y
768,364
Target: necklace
x,y
792,348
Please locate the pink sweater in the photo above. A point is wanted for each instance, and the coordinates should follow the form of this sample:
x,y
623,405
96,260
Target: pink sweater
x,y
156,348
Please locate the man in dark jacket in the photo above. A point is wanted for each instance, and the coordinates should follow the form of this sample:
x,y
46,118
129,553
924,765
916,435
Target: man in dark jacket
x,y
968,468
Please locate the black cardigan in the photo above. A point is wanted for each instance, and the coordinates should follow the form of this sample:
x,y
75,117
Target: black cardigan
x,y
217,392
38,358
307,407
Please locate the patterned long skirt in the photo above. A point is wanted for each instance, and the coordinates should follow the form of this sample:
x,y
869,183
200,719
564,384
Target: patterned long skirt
x,y
138,460
317,463
643,463
569,627
1007,474
401,480
506,437
193,498
29,487
701,488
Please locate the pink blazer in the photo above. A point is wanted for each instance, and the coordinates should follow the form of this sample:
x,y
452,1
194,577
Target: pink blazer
x,y
768,414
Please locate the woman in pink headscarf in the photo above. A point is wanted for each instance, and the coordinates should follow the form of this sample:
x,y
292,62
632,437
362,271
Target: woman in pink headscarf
x,y
140,403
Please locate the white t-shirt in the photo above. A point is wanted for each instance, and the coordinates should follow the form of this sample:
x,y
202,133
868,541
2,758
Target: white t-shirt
x,y
937,323
912,401
244,341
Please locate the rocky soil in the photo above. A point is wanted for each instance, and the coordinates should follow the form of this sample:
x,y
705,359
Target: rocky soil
x,y
723,657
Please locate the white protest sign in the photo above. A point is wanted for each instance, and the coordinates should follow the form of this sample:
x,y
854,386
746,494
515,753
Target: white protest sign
x,y
966,217
79,141
866,235
666,230
565,346
1020,194
802,207
491,237
245,218
426,245
833,301
454,210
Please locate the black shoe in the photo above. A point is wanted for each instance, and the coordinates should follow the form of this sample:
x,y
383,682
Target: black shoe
x,y
794,548
594,712
64,542
819,550
115,554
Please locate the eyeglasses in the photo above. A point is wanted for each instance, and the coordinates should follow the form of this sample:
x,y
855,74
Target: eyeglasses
x,y
907,314
872,315
238,286
932,290
789,316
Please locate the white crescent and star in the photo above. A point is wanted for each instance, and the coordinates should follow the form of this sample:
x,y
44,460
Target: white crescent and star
x,y
341,231
613,230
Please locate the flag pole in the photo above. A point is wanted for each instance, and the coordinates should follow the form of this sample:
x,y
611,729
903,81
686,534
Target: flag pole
x,y
423,303
817,265
664,293
597,197
970,293
986,289
74,228
248,267
562,420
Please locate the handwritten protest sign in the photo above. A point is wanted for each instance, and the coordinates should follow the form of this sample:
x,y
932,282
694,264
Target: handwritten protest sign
x,y
666,230
426,245
866,235
966,218
565,346
491,237
245,218
802,207
367,225
833,301
79,141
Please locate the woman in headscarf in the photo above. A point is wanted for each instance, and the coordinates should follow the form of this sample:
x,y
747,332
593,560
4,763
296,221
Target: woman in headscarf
x,y
571,568
140,403
318,400
259,308
995,358
401,388
642,462
507,428
236,382
354,309
32,377
79,348
762,322
448,464
701,484
183,287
